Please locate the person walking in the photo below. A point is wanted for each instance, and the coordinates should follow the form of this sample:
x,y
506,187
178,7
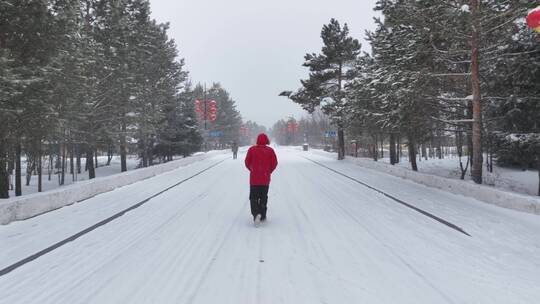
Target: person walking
x,y
261,161
234,148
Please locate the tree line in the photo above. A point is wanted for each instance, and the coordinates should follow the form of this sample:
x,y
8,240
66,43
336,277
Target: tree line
x,y
82,77
461,69
310,129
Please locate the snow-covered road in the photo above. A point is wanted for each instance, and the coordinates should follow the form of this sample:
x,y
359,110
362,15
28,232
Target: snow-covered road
x,y
328,240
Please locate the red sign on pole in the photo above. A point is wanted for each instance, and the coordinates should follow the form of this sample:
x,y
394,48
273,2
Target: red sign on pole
x,y
243,131
292,126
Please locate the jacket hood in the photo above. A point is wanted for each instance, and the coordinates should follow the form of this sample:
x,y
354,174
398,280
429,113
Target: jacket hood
x,y
263,140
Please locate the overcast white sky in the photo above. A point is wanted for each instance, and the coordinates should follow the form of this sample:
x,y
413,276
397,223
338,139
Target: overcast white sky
x,y
255,49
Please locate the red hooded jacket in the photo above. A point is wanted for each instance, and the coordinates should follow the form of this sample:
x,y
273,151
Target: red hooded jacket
x,y
261,161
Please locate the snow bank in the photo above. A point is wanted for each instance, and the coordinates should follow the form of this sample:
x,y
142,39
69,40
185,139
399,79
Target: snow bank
x,y
482,193
20,208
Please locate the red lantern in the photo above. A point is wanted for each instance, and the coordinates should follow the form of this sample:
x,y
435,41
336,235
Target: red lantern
x,y
198,107
207,109
533,19
212,110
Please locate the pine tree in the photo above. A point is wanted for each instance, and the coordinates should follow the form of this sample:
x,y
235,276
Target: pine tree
x,y
27,42
394,90
114,29
513,108
329,73
190,139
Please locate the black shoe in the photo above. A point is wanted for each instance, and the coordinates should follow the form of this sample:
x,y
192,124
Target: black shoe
x,y
263,218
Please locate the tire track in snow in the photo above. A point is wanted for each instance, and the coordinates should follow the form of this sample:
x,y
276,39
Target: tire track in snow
x,y
72,238
258,295
122,262
395,254
306,234
144,232
204,274
423,212
392,252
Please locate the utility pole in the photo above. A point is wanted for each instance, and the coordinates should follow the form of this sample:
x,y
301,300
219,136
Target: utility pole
x,y
206,112
477,96
341,132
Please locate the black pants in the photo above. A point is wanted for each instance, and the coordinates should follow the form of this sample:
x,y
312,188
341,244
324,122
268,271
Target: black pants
x,y
258,197
234,155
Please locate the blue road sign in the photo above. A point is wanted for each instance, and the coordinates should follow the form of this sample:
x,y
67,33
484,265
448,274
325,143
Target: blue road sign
x,y
216,133
330,133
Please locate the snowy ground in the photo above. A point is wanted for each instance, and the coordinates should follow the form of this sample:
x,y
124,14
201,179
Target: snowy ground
x,y
509,179
101,171
328,240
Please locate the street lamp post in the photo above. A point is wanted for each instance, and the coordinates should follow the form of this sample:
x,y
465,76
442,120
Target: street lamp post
x,y
207,110
205,120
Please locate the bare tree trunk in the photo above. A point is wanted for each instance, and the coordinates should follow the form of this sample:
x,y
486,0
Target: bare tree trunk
x,y
412,153
30,167
375,151
11,168
489,154
538,167
123,148
18,182
142,152
150,155
50,166
400,150
4,173
109,155
71,160
58,164
96,158
491,161
392,149
341,143
477,97
464,169
78,159
63,163
39,168
341,134
439,148
382,146
459,150
90,163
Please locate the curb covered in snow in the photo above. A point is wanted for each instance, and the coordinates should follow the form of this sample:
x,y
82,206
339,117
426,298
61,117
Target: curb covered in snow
x,y
24,207
482,193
